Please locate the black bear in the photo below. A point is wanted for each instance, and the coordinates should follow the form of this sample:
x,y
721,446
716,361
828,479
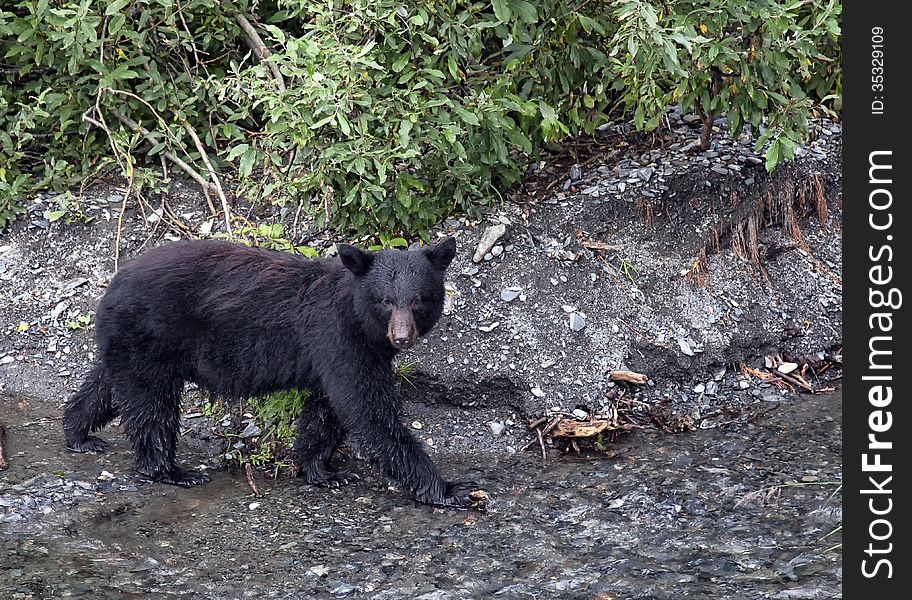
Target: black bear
x,y
244,322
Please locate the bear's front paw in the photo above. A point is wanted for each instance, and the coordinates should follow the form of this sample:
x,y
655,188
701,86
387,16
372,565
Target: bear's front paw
x,y
461,494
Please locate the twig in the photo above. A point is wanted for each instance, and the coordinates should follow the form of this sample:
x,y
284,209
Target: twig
x,y
541,421
3,462
255,43
541,442
552,424
215,180
794,381
120,217
249,470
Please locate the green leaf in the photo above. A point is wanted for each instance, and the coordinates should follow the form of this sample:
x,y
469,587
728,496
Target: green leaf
x,y
468,117
502,11
246,166
525,10
115,7
236,151
405,126
772,156
400,62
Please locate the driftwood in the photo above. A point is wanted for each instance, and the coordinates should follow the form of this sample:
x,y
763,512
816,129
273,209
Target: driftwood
x,y
569,428
3,462
629,376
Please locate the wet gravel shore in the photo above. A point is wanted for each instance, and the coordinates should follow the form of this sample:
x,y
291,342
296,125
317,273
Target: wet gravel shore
x,y
741,512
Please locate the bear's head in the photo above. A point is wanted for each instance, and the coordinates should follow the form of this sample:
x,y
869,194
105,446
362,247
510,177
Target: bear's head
x,y
398,295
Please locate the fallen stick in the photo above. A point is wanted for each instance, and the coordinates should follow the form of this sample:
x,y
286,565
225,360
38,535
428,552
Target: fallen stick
x,y
3,462
541,442
599,246
794,381
249,471
629,376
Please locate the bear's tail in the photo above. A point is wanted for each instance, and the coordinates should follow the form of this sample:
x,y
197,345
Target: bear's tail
x,y
88,410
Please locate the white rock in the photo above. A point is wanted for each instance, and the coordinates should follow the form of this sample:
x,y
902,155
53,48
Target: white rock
x,y
488,239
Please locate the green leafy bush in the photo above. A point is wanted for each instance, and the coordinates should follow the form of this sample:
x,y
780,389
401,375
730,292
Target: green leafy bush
x,y
382,116
764,62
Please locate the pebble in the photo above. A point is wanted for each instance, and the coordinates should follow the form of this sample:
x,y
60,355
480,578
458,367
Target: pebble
x,y
251,431
744,384
576,173
577,322
580,414
537,392
497,250
685,347
496,427
787,367
509,295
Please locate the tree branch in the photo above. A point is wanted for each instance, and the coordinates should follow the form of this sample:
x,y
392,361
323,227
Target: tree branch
x,y
258,47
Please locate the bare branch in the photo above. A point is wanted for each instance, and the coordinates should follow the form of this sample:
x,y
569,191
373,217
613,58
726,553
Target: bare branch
x,y
256,45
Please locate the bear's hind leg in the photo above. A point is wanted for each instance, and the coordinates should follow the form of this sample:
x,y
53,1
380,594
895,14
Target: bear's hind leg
x,y
151,416
88,410
319,434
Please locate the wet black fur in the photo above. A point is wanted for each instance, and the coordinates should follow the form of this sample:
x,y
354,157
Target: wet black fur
x,y
244,322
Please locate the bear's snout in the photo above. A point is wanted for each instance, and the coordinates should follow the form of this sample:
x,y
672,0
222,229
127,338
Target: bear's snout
x,y
402,331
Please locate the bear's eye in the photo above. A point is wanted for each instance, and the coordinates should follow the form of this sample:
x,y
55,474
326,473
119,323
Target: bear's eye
x,y
417,303
386,302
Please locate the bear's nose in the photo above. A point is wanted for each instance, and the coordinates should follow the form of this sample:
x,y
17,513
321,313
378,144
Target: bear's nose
x,y
403,343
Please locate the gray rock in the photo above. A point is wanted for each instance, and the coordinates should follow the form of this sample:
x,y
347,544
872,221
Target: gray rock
x,y
509,295
685,347
496,427
694,506
577,322
576,173
251,431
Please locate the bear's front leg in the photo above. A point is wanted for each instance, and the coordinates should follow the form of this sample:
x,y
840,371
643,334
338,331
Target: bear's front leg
x,y
369,412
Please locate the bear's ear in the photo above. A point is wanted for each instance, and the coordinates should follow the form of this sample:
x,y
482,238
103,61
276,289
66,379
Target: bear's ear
x,y
441,254
356,261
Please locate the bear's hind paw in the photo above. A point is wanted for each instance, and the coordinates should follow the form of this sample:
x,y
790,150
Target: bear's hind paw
x,y
89,444
181,477
328,478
